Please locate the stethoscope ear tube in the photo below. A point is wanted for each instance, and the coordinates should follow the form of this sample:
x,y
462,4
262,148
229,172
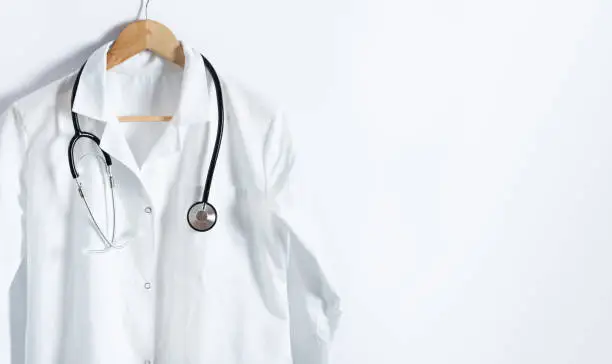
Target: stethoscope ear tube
x,y
78,133
73,141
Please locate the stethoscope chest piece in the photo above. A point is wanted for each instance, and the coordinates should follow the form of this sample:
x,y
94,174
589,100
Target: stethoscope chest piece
x,y
202,216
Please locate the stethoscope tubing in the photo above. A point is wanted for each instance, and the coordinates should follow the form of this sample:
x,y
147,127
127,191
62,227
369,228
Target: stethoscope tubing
x,y
220,122
78,133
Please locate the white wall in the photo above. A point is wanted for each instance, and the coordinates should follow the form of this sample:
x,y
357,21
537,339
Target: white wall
x,y
459,151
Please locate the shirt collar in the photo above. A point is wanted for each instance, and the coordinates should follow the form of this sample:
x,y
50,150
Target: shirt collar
x,y
194,98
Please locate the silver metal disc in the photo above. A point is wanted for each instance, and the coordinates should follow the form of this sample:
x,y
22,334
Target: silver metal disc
x,y
202,216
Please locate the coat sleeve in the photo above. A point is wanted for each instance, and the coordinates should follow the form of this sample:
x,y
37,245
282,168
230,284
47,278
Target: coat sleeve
x,y
12,272
314,305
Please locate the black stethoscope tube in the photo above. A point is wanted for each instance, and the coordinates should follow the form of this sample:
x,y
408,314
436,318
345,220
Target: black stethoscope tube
x,y
220,119
78,133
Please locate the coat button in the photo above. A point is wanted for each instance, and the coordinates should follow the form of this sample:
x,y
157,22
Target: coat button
x,y
148,209
147,285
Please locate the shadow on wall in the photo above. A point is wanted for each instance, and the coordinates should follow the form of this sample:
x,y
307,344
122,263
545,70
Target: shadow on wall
x,y
52,72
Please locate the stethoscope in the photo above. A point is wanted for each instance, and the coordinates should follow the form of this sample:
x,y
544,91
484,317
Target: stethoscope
x,y
201,216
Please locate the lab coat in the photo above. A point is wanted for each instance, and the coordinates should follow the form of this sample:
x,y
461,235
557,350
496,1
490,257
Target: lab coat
x,y
253,290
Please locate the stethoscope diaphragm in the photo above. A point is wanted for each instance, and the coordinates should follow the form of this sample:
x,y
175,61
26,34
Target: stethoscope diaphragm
x,y
202,216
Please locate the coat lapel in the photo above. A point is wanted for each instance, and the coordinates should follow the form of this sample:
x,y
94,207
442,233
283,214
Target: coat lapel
x,y
114,143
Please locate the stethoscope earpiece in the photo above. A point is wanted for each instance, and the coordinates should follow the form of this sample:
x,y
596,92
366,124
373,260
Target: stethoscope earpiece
x,y
202,216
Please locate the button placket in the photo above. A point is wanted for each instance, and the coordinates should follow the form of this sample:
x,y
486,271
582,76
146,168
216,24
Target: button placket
x,y
150,220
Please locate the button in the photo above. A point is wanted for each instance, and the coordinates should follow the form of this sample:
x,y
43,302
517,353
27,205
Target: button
x,y
148,209
147,285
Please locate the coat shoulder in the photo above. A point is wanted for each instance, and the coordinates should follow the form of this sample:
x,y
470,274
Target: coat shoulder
x,y
247,104
35,107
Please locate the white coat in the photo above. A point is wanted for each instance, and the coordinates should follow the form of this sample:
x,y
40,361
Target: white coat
x,y
250,291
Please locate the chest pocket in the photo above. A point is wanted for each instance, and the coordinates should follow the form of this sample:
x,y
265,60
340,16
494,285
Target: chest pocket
x,y
238,209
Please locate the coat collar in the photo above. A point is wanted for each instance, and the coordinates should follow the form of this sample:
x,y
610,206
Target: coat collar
x,y
91,99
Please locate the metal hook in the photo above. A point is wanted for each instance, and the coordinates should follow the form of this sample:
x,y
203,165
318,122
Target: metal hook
x,y
147,10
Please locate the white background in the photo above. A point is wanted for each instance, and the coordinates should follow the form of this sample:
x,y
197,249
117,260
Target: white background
x,y
459,152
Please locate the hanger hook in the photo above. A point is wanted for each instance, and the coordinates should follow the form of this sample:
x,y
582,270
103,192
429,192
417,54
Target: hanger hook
x,y
147,10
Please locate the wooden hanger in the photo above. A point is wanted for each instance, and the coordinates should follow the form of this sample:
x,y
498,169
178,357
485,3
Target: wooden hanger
x,y
143,35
